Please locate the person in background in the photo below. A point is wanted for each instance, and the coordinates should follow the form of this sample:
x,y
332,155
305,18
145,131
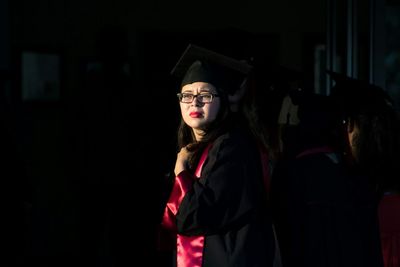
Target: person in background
x,y
372,128
217,209
324,212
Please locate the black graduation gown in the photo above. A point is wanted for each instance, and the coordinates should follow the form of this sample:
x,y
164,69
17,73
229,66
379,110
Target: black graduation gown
x,y
227,205
324,216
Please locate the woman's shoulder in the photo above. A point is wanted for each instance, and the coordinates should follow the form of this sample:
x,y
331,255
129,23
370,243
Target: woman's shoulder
x,y
235,138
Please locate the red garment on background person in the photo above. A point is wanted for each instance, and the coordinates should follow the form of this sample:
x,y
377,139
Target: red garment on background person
x,y
389,220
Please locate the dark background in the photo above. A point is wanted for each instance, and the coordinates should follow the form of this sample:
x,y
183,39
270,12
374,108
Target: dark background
x,y
82,173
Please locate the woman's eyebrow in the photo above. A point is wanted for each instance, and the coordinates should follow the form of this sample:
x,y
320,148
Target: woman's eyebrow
x,y
206,89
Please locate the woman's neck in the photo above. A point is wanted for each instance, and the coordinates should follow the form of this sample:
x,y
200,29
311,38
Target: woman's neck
x,y
198,134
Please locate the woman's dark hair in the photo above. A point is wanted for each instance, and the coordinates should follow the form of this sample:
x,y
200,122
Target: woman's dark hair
x,y
252,110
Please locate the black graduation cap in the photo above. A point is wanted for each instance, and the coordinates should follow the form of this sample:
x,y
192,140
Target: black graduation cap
x,y
354,95
198,64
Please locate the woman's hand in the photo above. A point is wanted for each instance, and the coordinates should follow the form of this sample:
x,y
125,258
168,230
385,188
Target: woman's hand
x,y
182,160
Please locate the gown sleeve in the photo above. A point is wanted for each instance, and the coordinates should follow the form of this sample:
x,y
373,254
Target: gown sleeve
x,y
228,191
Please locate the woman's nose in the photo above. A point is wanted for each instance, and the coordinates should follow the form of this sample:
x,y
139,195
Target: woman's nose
x,y
196,102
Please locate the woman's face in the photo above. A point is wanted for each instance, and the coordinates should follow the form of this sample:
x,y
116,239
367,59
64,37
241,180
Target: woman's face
x,y
197,114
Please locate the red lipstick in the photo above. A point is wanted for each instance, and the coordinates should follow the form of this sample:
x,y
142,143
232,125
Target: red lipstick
x,y
195,114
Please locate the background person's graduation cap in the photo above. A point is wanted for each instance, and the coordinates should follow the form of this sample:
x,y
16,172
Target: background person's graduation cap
x,y
354,95
198,64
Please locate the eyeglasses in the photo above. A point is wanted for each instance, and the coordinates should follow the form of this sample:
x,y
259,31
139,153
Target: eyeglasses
x,y
202,98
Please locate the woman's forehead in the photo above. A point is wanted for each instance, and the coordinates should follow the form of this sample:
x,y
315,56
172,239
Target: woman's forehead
x,y
199,86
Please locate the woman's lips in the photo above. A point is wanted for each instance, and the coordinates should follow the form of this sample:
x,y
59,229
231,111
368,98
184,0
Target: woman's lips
x,y
195,114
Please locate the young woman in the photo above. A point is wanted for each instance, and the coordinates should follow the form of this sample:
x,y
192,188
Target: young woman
x,y
218,204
